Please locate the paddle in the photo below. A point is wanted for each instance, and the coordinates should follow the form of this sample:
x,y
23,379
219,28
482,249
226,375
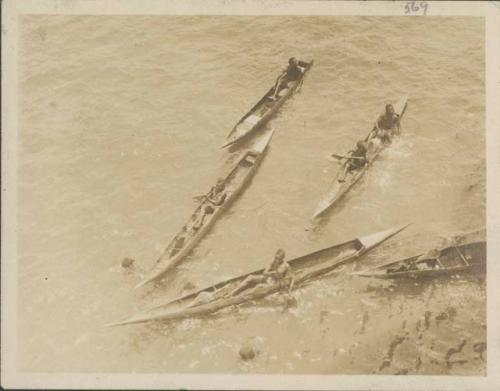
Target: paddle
x,y
334,155
202,197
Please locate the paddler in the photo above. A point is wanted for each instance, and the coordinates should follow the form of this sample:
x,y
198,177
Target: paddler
x,y
179,241
200,219
292,73
217,196
429,259
278,272
386,125
356,159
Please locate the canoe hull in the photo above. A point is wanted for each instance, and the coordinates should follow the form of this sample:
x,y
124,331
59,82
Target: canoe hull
x,y
167,261
254,119
305,268
337,190
451,262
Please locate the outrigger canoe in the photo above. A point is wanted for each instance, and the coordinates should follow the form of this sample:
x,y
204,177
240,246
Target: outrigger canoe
x,y
265,108
338,189
192,232
305,268
470,257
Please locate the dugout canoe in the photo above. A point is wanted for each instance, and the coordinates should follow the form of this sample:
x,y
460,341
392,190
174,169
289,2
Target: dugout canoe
x,y
190,234
337,189
470,257
305,268
265,108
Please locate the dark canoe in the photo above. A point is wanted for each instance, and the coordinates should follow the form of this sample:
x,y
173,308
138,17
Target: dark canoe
x,y
337,189
305,268
189,236
265,108
469,257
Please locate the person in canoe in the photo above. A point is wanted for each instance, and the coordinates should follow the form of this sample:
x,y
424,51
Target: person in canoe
x,y
426,261
179,242
355,159
279,272
386,125
215,197
292,73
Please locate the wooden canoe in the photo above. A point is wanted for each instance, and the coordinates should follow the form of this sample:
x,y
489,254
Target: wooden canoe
x,y
305,268
265,108
470,257
337,189
191,233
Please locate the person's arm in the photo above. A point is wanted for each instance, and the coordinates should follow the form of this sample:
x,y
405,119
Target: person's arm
x,y
269,272
218,201
282,74
290,287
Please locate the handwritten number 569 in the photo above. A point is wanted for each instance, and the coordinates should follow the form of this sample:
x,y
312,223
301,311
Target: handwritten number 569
x,y
413,7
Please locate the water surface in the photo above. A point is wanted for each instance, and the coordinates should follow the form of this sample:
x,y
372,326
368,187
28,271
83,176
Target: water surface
x,y
120,126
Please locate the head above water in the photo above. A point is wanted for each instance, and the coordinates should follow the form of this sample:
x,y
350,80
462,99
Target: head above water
x,y
361,144
292,61
389,109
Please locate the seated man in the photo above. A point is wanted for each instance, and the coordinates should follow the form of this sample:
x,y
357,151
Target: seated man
x,y
357,159
278,272
179,242
292,73
386,125
430,259
217,196
200,220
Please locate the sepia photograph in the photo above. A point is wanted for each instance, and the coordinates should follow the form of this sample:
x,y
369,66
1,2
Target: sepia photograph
x,y
266,197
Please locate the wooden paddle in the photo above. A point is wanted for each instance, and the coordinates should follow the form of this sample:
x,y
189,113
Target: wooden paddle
x,y
334,155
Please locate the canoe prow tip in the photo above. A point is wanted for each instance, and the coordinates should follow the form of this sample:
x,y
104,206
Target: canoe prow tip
x,y
120,323
315,216
375,239
141,283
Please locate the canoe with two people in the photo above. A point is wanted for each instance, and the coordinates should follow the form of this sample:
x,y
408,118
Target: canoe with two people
x,y
386,126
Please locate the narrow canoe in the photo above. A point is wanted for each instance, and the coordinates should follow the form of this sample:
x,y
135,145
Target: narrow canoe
x,y
337,189
191,233
305,268
470,257
265,108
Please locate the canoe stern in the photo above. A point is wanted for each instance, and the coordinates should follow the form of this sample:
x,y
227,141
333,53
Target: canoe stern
x,y
262,143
